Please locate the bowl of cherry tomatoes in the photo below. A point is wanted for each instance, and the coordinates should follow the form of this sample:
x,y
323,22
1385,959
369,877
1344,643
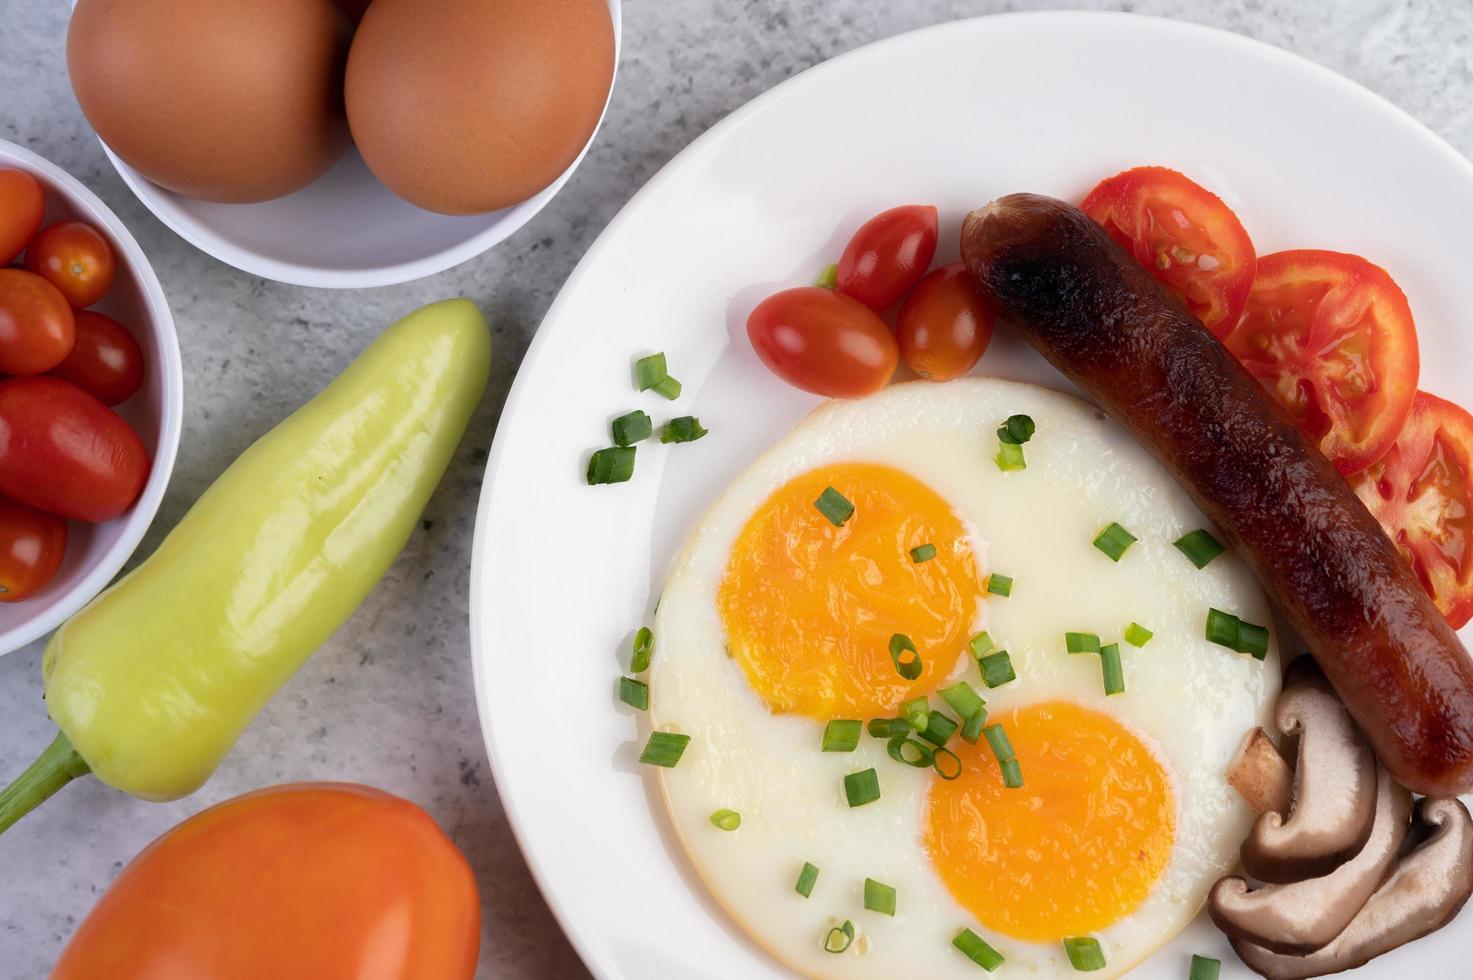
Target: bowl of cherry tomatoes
x,y
91,395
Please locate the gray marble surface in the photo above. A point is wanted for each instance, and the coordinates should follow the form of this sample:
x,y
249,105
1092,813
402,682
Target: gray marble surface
x,y
388,700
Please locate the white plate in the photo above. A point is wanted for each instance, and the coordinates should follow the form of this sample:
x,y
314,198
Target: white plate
x,y
953,115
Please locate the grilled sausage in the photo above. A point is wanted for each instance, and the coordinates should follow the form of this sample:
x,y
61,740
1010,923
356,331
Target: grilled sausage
x,y
1108,325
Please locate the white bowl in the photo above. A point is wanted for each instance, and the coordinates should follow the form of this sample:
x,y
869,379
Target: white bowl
x,y
95,552
345,230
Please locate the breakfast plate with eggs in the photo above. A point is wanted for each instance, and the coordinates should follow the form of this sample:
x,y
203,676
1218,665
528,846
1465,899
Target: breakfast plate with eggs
x,y
945,679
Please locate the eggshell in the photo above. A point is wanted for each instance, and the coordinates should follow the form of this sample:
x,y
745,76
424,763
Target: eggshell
x,y
468,106
230,102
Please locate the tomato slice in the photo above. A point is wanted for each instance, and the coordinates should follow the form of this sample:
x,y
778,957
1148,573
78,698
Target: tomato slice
x,y
1183,233
1422,493
1332,337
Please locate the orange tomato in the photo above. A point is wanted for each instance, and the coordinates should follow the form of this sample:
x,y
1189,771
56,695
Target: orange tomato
x,y
309,880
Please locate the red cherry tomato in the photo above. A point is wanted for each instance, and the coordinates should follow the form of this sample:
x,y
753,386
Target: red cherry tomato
x,y
1332,337
1184,234
75,258
888,255
32,543
37,328
22,204
823,342
944,326
66,452
106,361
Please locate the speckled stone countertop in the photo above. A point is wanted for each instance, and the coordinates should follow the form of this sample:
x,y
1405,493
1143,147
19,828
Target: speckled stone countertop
x,y
388,701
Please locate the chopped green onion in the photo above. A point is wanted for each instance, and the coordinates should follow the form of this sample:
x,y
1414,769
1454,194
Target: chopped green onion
x,y
1081,643
839,938
664,749
1114,540
668,387
1085,953
1009,458
910,666
980,644
1253,639
835,506
612,465
631,428
939,729
1199,546
1000,584
1114,674
806,879
726,819
650,371
1017,430
972,728
841,735
922,553
1002,746
828,278
634,693
951,769
1012,774
888,727
879,897
1137,635
1205,968
975,948
686,428
917,712
644,646
920,755
862,787
997,669
963,699
1222,628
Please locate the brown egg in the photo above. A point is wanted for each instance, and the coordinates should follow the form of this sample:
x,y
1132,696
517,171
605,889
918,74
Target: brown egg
x,y
467,106
226,101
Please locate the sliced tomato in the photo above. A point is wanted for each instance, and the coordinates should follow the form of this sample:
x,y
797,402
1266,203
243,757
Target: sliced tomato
x,y
1422,493
1332,337
1183,233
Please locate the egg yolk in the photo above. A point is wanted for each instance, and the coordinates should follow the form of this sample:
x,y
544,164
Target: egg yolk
x,y
1074,849
809,608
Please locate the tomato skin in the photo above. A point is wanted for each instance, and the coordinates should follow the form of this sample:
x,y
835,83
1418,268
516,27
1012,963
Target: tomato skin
x,y
32,544
824,342
105,361
1209,262
888,255
37,327
944,326
22,205
75,258
67,453
1331,336
324,880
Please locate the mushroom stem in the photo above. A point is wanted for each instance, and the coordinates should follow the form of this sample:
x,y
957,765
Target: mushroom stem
x,y
1261,775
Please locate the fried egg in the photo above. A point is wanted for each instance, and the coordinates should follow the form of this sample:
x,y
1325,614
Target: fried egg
x,y
778,616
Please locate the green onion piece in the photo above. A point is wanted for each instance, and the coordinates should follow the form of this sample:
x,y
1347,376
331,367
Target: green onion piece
x,y
910,666
917,712
1002,746
922,553
939,729
1199,546
631,428
963,699
972,728
1081,643
980,644
686,428
888,727
828,278
841,735
1137,635
1085,954
997,669
1205,968
664,749
1009,458
975,948
634,693
862,787
1017,430
1012,774
806,879
612,465
644,647
879,897
650,371
946,763
1114,540
726,819
910,752
1114,674
1222,628
835,506
1000,584
668,387
839,938
1253,639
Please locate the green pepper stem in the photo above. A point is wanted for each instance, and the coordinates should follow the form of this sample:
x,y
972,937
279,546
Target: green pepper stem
x,y
56,767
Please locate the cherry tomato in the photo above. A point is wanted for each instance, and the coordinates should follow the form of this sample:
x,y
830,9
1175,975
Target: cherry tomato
x,y
106,361
75,258
943,326
37,328
1422,493
888,255
22,203
32,543
66,452
824,342
1332,337
1184,234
